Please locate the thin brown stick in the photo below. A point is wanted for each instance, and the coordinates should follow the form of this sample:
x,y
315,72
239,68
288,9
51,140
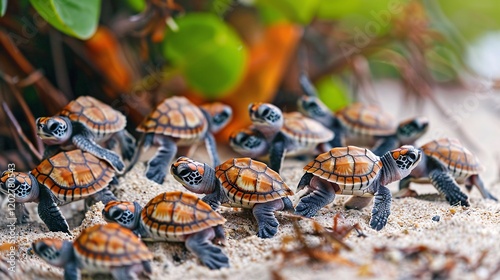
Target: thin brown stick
x,y
20,133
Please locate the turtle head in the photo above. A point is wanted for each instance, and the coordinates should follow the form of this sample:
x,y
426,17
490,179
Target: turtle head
x,y
410,130
249,143
399,163
22,186
54,251
54,130
193,175
125,213
314,108
266,117
219,115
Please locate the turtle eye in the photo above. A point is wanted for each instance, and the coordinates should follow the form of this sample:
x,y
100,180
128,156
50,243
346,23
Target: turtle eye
x,y
53,125
115,215
184,172
265,112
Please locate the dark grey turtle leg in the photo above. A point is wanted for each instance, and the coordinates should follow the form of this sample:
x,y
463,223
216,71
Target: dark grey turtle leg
x,y
220,236
127,272
158,165
475,180
381,208
446,185
405,182
320,194
216,198
90,146
211,146
304,181
71,271
127,144
264,214
22,214
104,196
50,213
385,144
111,143
277,152
210,255
357,202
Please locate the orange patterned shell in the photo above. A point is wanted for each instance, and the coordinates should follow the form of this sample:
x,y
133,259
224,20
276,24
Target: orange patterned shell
x,y
19,176
176,117
452,154
346,166
246,182
304,129
367,119
74,175
176,214
110,245
98,117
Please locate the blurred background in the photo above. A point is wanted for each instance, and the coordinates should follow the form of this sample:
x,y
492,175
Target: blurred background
x,y
435,58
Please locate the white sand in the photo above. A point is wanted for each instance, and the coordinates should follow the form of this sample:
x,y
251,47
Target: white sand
x,y
466,231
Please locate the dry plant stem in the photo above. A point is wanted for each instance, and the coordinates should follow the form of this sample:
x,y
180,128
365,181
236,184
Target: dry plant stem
x,y
343,61
52,97
29,117
361,71
20,134
59,62
21,149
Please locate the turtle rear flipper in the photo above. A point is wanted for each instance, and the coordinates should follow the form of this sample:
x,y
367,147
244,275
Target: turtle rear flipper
x,y
127,144
210,255
321,194
50,213
277,152
476,181
158,165
85,144
446,185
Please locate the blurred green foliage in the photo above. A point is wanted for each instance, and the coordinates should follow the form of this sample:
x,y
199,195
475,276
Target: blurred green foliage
x,y
73,17
136,5
333,92
3,7
208,52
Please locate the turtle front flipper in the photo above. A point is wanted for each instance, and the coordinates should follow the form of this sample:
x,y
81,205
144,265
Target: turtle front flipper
x,y
71,271
211,146
22,214
446,185
475,180
104,196
127,144
381,208
277,152
50,213
320,194
84,143
158,165
385,144
210,255
264,214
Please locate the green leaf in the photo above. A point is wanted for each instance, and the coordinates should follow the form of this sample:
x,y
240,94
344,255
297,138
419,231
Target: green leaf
x,y
76,18
137,5
297,11
208,52
333,92
3,7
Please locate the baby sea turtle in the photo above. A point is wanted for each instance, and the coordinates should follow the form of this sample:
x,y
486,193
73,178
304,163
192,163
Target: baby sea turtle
x,y
100,248
176,122
175,216
82,123
358,172
367,123
304,137
445,162
238,182
63,178
287,132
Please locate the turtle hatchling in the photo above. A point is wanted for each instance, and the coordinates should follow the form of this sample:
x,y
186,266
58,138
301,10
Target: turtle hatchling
x,y
82,123
361,121
446,162
238,182
287,132
176,122
175,216
358,172
107,248
63,178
